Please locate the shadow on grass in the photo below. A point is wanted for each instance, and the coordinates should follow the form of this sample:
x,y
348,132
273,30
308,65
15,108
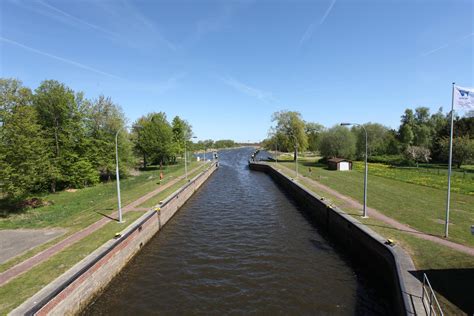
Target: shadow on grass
x,y
454,284
315,164
8,208
107,216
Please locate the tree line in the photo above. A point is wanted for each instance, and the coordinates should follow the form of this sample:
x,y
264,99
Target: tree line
x,y
53,138
421,137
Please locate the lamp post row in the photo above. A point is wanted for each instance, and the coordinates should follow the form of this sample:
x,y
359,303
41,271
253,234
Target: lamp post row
x,y
117,173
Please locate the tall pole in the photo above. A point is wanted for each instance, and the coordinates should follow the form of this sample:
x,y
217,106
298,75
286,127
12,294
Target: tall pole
x,y
365,176
185,160
276,152
448,198
366,166
296,156
117,173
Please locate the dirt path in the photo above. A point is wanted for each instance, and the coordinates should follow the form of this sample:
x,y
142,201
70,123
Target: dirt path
x,y
42,256
350,202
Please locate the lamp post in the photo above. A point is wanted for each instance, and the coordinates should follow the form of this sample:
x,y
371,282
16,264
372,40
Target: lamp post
x,y
296,156
365,175
276,151
118,176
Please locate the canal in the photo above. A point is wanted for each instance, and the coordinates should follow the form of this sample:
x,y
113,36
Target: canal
x,y
240,245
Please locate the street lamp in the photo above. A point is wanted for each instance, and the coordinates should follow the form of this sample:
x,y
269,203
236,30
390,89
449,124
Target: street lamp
x,y
118,176
365,176
296,156
186,157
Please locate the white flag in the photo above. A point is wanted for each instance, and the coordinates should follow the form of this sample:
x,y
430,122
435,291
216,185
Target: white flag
x,y
464,98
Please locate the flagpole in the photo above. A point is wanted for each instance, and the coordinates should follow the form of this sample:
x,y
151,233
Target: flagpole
x,y
446,230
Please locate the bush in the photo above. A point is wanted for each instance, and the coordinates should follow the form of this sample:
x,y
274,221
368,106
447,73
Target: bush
x,y
396,160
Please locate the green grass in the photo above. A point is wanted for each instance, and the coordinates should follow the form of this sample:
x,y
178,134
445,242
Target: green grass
x,y
75,210
421,207
21,288
449,270
461,182
167,192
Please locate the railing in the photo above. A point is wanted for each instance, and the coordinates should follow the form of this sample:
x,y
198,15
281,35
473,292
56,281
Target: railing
x,y
428,297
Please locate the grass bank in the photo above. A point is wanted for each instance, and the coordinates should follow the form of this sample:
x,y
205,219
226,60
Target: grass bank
x,y
15,292
77,210
450,272
421,207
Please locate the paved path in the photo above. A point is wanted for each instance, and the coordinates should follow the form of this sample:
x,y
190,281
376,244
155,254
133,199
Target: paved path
x,y
40,257
350,202
14,242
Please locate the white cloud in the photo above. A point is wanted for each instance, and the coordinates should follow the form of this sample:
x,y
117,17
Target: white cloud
x,y
64,60
427,53
248,90
312,27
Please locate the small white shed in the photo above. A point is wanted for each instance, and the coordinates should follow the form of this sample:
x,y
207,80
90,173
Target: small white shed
x,y
339,164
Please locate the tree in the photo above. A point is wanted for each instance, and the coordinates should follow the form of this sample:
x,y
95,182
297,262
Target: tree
x,y
376,139
23,156
182,133
406,135
418,154
338,141
313,132
60,115
104,119
291,126
463,149
224,143
154,137
12,94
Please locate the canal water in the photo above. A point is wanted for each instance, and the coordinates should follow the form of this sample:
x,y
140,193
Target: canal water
x,y
239,246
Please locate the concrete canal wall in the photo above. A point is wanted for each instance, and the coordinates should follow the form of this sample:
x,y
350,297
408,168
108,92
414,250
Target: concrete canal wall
x,y
73,290
388,263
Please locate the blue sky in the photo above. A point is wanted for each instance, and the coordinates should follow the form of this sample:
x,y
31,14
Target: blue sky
x,y
226,66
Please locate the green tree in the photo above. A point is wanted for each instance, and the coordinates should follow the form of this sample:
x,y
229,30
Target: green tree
x,y
313,132
291,127
463,149
154,138
12,94
23,156
224,143
104,119
182,133
338,141
62,119
376,139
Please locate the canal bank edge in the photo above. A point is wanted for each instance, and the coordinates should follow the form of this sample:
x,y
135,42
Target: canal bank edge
x,y
385,262
73,290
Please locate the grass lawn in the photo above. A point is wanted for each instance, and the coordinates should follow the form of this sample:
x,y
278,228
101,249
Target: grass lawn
x,y
167,192
77,210
102,199
21,288
450,272
421,207
461,182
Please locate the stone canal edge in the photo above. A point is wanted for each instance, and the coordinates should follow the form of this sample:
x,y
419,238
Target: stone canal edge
x,y
388,262
73,290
